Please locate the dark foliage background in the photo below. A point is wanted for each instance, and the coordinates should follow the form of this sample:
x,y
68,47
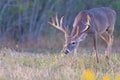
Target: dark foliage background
x,y
24,22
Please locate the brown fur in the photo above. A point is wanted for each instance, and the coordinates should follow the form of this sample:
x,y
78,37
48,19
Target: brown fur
x,y
102,23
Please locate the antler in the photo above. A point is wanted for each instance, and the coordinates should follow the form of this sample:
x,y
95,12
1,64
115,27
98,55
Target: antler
x,y
77,33
58,25
87,24
88,20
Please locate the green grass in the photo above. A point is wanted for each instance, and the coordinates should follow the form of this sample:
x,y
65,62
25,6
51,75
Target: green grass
x,y
44,66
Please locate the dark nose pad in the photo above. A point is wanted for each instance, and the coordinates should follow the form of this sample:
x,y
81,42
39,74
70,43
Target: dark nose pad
x,y
66,51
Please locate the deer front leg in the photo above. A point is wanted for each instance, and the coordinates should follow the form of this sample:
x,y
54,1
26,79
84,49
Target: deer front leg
x,y
95,47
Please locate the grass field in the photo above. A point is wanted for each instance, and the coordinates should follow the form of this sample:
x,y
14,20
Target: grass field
x,y
45,66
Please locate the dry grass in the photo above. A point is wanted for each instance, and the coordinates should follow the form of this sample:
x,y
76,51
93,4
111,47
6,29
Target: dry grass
x,y
24,66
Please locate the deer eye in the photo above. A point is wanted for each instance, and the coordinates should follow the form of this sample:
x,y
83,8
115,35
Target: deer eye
x,y
73,42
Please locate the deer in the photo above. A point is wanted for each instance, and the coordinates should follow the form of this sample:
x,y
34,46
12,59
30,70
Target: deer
x,y
93,22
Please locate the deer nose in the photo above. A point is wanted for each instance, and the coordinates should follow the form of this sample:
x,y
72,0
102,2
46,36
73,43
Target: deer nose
x,y
67,51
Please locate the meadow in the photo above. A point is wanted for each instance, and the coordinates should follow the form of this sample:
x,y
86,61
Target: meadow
x,y
30,48
53,66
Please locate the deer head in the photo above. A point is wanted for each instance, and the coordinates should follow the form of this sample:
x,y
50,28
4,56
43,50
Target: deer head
x,y
71,41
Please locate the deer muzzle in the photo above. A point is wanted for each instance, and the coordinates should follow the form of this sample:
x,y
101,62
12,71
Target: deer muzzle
x,y
66,51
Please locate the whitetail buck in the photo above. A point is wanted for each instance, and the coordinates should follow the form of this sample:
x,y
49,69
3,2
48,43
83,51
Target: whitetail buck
x,y
96,21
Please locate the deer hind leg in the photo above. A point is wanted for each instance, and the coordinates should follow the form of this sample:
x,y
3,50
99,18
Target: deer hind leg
x,y
108,38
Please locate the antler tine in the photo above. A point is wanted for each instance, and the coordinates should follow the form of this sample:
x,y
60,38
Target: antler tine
x,y
58,25
61,21
77,32
88,19
57,21
67,28
53,21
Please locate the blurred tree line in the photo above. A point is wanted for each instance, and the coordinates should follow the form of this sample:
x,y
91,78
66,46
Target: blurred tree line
x,y
22,19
